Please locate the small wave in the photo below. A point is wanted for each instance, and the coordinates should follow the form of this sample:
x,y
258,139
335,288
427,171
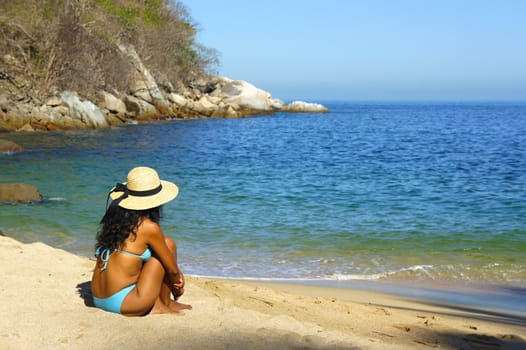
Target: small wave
x,y
376,276
52,200
354,277
263,279
56,199
335,277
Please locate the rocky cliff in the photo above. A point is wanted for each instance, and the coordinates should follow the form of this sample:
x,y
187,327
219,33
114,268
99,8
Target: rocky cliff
x,y
144,100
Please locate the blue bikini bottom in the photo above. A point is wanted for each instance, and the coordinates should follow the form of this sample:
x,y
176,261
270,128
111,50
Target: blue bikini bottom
x,y
113,303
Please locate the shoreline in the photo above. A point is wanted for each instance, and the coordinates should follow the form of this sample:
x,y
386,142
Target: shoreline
x,y
45,300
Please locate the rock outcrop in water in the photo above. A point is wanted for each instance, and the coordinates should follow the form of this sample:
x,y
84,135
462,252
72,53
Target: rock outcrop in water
x,y
19,193
144,101
7,146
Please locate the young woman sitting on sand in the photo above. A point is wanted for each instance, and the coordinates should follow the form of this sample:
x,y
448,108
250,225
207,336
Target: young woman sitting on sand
x,y
136,271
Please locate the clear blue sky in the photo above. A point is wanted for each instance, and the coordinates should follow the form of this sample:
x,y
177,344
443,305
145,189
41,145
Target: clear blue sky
x,y
371,49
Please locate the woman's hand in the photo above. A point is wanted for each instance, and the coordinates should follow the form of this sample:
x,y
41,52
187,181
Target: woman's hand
x,y
178,285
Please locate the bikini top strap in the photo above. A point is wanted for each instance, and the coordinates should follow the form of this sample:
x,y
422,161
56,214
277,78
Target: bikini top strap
x,y
104,256
144,256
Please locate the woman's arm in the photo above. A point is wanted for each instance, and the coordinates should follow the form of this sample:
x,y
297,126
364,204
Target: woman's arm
x,y
156,241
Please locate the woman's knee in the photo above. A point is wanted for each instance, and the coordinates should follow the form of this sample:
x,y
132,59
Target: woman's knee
x,y
170,243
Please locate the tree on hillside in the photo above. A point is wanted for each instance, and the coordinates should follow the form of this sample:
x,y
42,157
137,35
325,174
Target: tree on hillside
x,y
56,45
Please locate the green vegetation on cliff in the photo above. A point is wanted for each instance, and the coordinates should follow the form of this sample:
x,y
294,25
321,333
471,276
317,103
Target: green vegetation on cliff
x,y
48,46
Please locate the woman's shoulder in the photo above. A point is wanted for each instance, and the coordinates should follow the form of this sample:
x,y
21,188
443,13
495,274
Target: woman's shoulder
x,y
149,228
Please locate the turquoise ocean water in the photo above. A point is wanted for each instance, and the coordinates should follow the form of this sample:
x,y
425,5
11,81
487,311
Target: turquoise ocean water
x,y
372,191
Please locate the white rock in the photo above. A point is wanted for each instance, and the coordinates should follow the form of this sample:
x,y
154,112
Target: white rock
x,y
277,104
246,95
179,100
85,111
112,103
231,112
305,107
54,101
204,105
139,108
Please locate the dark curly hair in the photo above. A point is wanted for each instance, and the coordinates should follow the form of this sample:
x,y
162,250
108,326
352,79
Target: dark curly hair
x,y
118,223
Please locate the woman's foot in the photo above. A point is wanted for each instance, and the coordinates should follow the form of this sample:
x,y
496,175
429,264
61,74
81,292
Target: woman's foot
x,y
177,307
161,308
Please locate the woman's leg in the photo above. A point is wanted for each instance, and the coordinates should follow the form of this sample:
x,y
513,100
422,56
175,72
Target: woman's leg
x,y
143,298
153,291
166,288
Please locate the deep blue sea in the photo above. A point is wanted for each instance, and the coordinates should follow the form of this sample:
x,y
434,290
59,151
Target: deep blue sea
x,y
370,191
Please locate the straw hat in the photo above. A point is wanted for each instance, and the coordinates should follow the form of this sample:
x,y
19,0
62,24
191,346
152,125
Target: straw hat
x,y
143,190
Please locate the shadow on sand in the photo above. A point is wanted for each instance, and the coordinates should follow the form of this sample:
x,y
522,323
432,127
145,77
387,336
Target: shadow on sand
x,y
472,339
84,289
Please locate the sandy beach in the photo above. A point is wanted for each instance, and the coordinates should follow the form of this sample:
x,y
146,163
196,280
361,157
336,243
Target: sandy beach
x,y
45,303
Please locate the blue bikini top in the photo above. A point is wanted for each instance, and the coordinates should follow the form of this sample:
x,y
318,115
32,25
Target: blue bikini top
x,y
105,255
